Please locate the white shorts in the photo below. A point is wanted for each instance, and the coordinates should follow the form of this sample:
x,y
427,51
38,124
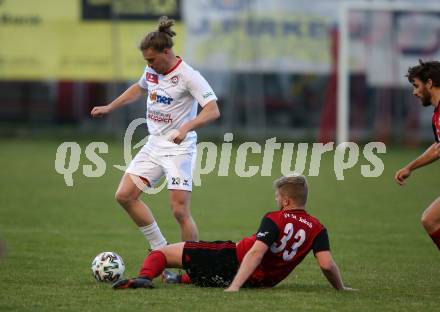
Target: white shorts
x,y
177,169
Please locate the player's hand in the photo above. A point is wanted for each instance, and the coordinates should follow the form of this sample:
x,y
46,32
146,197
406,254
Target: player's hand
x,y
402,175
99,111
180,135
171,135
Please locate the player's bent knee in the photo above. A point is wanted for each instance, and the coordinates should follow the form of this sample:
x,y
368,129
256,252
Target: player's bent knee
x,y
120,198
429,223
123,198
181,214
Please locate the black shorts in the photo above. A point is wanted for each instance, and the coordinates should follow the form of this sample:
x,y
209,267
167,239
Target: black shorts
x,y
210,264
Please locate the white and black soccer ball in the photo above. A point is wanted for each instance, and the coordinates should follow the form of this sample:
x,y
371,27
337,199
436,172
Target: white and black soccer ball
x,y
108,266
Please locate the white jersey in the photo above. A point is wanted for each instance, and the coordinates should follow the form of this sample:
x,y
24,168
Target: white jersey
x,y
172,101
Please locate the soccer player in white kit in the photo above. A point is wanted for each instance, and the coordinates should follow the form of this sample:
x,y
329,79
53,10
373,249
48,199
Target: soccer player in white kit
x,y
174,88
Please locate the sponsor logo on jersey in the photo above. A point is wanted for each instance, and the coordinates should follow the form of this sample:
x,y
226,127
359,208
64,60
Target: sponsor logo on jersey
x,y
159,117
174,80
207,94
153,96
152,77
162,99
261,234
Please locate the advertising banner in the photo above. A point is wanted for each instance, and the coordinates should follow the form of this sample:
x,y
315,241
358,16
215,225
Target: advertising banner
x,y
259,35
78,40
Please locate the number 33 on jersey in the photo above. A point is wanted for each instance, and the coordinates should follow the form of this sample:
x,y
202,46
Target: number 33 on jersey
x,y
290,235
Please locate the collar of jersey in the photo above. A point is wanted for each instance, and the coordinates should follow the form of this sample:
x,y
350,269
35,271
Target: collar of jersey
x,y
174,67
295,210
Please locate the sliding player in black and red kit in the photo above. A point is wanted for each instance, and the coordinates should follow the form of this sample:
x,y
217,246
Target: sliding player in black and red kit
x,y
264,259
425,79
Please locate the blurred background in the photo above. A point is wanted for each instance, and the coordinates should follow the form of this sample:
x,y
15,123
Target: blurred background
x,y
273,64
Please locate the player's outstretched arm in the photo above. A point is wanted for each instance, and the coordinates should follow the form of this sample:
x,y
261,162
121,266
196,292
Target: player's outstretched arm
x,y
209,113
130,95
431,154
250,262
330,270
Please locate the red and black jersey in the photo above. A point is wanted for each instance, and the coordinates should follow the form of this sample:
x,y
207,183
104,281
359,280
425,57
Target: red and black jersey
x,y
436,123
290,235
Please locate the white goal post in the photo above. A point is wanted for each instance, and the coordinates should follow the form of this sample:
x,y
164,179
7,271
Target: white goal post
x,y
343,70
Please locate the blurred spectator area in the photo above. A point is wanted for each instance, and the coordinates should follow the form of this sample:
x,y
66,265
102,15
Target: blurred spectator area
x,y
252,105
49,102
250,101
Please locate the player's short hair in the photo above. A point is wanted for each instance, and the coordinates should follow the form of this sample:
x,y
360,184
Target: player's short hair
x,y
161,38
294,186
425,71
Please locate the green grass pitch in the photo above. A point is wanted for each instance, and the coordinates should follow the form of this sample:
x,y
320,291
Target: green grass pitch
x,y
53,232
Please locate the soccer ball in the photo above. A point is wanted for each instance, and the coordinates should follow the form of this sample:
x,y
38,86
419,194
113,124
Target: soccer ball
x,y
108,266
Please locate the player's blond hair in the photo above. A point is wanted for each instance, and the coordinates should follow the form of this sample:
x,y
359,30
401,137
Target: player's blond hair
x,y
294,186
161,38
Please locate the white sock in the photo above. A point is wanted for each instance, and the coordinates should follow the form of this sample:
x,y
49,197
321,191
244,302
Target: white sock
x,y
153,235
